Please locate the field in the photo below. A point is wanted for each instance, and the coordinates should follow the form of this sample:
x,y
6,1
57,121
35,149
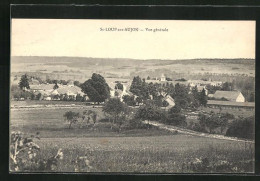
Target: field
x,y
158,154
136,150
81,69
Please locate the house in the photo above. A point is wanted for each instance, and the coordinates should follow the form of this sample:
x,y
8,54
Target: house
x,y
170,101
234,96
200,89
163,78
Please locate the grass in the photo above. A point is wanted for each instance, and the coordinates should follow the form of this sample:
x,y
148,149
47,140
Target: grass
x,y
136,150
157,154
235,112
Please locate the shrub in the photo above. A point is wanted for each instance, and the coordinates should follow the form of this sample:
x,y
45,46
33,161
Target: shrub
x,y
176,119
129,100
71,117
24,154
136,124
242,128
149,111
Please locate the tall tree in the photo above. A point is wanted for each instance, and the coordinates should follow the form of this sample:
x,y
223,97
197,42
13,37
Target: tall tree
x,y
203,98
115,108
96,88
24,82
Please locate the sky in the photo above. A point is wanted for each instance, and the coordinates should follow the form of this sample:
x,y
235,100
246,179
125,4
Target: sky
x,y
83,38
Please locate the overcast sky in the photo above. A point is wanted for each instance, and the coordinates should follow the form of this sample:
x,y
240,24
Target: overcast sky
x,y
83,38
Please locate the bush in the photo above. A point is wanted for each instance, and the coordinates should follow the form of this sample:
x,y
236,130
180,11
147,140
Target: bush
x,y
176,120
129,100
136,124
150,111
242,128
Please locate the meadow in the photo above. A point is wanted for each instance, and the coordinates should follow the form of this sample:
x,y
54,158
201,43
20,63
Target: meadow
x,y
137,150
155,154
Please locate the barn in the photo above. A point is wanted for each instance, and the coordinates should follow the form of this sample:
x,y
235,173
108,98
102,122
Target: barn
x,y
234,96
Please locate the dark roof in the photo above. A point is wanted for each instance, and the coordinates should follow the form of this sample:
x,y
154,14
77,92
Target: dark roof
x,y
230,103
230,95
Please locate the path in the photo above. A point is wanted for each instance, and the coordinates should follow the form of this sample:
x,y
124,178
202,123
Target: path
x,y
195,133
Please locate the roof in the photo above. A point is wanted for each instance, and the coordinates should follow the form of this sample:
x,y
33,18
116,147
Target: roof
x,y
229,103
230,95
70,89
42,87
200,88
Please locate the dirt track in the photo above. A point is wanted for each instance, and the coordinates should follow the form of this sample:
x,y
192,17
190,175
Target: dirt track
x,y
195,133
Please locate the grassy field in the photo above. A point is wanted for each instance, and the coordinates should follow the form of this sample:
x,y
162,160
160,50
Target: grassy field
x,y
159,154
235,112
136,150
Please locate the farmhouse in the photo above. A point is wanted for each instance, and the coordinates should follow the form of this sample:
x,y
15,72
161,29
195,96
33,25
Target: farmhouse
x,y
48,93
234,96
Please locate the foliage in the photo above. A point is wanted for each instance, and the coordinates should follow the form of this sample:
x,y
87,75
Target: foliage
x,y
18,94
96,88
24,154
176,119
119,86
55,86
149,111
24,82
129,100
181,95
182,79
76,83
203,98
213,121
89,114
71,117
117,110
140,88
242,128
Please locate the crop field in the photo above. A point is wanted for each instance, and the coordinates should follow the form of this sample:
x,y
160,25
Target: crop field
x,y
137,150
160,154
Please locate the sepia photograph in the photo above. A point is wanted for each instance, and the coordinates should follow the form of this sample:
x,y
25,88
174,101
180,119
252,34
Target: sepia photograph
x,y
132,96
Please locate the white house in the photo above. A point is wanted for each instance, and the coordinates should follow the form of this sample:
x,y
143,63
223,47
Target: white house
x,y
170,101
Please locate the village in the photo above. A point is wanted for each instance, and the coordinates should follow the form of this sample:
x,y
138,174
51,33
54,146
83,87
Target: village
x,y
72,92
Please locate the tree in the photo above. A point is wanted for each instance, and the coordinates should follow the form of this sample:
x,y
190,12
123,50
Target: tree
x,y
114,107
96,88
24,83
242,128
90,115
119,86
140,88
55,86
148,78
129,100
175,117
203,98
149,112
76,83
181,96
71,117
